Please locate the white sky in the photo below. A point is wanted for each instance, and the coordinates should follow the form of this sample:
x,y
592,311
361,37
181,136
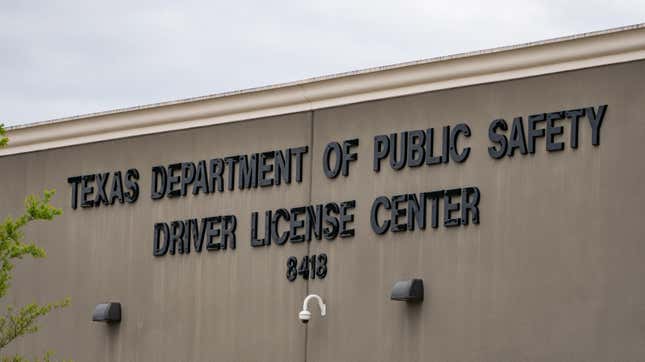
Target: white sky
x,y
63,58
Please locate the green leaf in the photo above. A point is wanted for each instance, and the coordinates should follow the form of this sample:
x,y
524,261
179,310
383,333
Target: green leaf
x,y
22,321
3,139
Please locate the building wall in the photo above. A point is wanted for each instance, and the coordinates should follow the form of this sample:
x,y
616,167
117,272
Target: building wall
x,y
551,272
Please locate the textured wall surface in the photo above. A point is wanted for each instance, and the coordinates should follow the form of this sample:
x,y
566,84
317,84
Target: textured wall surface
x,y
552,272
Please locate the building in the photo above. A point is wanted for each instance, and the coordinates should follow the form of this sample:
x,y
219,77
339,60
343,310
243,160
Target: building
x,y
508,181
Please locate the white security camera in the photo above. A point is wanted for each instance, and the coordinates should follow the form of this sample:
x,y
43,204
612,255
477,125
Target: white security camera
x,y
305,315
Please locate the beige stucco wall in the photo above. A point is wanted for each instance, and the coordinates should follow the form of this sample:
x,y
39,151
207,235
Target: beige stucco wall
x,y
552,272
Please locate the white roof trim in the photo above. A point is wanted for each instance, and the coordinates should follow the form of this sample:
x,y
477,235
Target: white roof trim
x,y
520,61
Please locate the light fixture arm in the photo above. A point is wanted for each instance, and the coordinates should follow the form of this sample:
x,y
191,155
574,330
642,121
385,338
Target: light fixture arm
x,y
321,305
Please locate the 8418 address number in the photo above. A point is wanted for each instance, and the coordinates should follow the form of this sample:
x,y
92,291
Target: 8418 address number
x,y
310,267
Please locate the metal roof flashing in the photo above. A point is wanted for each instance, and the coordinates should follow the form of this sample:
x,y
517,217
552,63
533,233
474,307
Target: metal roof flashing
x,y
504,63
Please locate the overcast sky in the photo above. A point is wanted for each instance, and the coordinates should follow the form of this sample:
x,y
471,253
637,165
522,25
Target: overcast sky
x,y
64,58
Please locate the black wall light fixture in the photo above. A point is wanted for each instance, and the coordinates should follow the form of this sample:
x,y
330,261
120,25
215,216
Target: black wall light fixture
x,y
107,312
408,290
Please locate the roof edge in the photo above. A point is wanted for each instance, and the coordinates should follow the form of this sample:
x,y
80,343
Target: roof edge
x,y
504,63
